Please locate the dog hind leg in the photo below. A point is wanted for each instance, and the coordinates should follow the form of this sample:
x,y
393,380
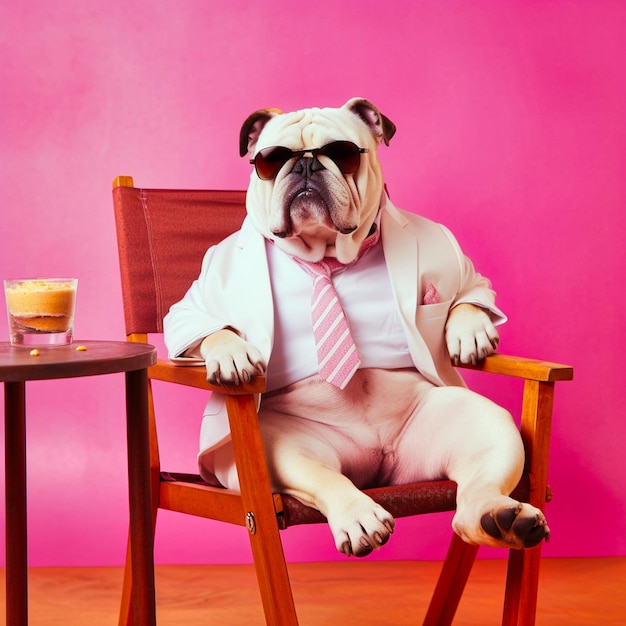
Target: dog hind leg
x,y
307,460
465,437
306,465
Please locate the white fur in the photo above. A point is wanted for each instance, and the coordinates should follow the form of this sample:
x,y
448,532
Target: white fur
x,y
387,426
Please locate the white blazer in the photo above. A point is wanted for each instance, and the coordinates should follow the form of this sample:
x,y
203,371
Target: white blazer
x,y
234,289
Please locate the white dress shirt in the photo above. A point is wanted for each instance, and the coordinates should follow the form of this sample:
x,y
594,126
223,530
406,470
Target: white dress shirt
x,y
364,290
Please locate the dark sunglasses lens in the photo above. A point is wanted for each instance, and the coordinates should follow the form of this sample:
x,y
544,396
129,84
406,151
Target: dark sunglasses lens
x,y
345,155
269,161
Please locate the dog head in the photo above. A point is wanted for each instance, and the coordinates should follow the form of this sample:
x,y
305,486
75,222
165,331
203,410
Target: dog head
x,y
317,184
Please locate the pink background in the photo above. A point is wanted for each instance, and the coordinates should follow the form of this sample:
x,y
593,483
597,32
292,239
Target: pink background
x,y
511,130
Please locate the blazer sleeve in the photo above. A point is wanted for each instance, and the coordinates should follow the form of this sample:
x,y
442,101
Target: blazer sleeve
x,y
195,316
474,288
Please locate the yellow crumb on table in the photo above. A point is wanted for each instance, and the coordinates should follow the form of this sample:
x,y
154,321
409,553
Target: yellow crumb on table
x,y
34,352
81,348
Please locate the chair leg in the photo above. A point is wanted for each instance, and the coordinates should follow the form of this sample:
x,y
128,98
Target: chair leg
x,y
260,513
452,579
273,577
522,583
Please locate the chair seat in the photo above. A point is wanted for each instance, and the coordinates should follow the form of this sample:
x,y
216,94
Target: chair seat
x,y
435,496
399,500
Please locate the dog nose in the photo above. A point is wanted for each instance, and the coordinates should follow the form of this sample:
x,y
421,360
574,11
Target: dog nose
x,y
307,165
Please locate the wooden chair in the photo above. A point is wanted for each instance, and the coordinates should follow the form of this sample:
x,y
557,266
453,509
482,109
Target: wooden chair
x,y
162,236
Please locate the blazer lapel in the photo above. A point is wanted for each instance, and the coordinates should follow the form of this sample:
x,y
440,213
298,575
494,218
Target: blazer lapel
x,y
401,249
401,256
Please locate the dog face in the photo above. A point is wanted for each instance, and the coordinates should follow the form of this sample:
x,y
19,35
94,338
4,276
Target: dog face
x,y
317,184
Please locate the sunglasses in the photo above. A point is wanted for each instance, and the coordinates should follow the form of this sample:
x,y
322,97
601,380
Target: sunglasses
x,y
344,154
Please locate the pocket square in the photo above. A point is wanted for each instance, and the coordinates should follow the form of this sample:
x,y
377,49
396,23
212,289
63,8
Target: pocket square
x,y
431,296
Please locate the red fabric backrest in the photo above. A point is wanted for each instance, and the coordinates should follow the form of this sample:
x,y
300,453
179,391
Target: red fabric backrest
x,y
162,236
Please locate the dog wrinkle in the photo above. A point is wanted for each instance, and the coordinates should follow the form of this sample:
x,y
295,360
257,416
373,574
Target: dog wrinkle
x,y
386,464
281,227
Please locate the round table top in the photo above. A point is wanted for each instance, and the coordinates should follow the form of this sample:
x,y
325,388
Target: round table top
x,y
94,358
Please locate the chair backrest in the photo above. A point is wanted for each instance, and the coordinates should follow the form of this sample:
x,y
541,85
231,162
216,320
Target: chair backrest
x,y
162,237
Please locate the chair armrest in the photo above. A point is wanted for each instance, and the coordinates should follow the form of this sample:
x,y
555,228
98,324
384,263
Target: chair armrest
x,y
520,367
507,365
195,376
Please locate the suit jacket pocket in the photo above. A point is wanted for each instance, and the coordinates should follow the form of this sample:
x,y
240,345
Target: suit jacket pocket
x,y
430,320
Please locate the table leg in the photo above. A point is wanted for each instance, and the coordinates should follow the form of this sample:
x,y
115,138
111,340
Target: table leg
x,y
15,495
141,532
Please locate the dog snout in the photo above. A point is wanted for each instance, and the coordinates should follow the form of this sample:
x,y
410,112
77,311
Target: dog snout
x,y
305,166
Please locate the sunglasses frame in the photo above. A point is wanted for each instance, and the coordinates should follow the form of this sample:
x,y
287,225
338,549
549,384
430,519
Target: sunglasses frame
x,y
301,153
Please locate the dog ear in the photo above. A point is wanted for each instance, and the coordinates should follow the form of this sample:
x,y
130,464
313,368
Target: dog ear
x,y
252,127
382,127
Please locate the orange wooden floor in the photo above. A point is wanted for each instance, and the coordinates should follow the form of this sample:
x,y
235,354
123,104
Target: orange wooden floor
x,y
574,592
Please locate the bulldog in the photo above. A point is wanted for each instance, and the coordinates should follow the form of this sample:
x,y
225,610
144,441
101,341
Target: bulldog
x,y
394,410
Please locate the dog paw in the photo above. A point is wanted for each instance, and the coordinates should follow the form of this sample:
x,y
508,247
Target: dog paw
x,y
470,334
360,526
230,360
504,523
521,526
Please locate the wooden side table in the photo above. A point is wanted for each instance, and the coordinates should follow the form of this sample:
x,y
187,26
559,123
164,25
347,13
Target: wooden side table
x,y
17,366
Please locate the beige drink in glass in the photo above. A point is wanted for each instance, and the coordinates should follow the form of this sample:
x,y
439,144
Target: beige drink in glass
x,y
41,310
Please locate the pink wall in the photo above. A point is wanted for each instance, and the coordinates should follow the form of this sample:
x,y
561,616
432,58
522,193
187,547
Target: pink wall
x,y
511,131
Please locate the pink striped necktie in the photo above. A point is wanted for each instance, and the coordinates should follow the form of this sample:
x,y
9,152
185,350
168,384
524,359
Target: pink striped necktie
x,y
337,356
